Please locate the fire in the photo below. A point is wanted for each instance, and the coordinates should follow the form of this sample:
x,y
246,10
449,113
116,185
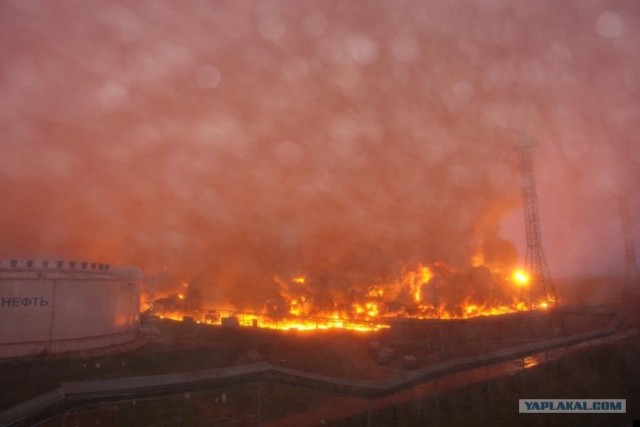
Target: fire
x,y
478,260
521,277
432,291
471,309
295,307
375,292
416,280
425,275
369,309
257,320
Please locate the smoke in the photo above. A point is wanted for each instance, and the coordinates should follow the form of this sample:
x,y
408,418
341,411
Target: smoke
x,y
236,142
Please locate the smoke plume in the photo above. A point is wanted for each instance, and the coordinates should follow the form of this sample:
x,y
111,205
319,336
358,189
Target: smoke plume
x,y
240,141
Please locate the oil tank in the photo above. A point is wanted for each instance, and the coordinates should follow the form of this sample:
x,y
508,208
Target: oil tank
x,y
55,306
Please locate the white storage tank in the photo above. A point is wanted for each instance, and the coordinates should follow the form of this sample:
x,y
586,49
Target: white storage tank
x,y
54,306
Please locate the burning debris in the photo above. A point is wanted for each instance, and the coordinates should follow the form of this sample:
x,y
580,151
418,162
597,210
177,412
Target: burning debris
x,y
434,291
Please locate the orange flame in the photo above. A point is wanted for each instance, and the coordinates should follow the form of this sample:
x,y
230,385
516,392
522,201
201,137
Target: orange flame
x,y
521,277
371,310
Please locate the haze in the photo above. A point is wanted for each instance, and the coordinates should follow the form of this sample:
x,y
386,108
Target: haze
x,y
231,142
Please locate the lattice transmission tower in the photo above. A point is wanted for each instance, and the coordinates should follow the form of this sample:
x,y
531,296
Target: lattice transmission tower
x,y
541,286
631,267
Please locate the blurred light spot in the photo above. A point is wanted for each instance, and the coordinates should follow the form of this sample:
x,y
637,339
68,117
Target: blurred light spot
x,y
22,73
211,203
348,78
106,62
372,130
208,76
118,153
469,49
271,28
315,24
288,153
463,90
268,174
501,74
624,118
223,133
145,137
536,73
57,162
295,68
488,6
348,153
405,49
503,34
634,150
172,52
575,147
126,24
362,49
112,94
609,24
12,103
630,79
525,116
459,95
559,53
460,175
258,57
332,50
496,115
605,181
433,153
344,128
144,66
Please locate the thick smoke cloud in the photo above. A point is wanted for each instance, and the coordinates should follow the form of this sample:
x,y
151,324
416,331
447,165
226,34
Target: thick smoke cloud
x,y
243,140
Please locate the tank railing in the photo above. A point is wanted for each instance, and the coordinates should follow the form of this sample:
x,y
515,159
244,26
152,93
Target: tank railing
x,y
51,274
76,394
32,264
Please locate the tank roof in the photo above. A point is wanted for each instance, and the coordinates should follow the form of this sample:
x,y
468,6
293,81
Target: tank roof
x,y
25,268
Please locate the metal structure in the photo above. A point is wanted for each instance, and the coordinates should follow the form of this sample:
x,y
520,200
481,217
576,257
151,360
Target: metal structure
x,y
631,267
58,306
541,286
77,394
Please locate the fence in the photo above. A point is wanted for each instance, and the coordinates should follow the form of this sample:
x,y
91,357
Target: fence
x,y
71,395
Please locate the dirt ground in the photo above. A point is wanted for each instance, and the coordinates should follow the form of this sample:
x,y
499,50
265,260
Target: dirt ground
x,y
182,347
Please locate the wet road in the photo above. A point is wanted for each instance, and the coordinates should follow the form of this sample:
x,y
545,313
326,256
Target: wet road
x,y
337,407
342,407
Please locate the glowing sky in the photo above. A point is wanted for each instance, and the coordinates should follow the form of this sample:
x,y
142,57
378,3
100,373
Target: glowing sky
x,y
238,140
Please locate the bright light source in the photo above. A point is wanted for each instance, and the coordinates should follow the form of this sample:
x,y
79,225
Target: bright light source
x,y
181,296
544,305
298,279
521,277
